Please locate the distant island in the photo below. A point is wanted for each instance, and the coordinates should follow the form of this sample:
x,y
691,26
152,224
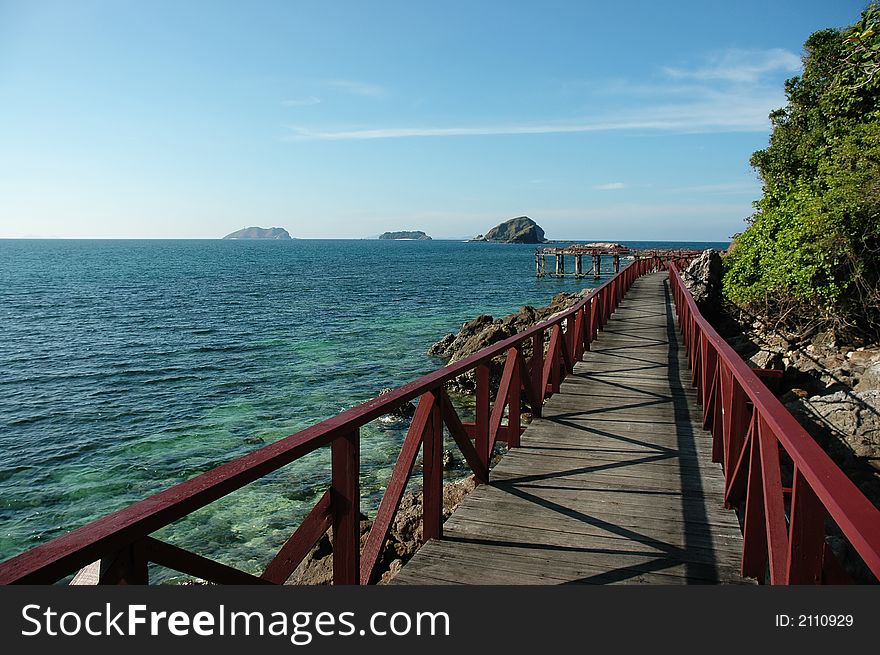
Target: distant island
x,y
521,229
414,235
277,233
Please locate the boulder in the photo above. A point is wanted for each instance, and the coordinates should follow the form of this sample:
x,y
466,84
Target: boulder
x,y
703,279
847,423
870,379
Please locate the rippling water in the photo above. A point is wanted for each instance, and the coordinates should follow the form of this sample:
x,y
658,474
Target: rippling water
x,y
128,366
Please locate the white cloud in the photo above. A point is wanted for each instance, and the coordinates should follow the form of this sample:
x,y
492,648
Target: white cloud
x,y
301,102
610,186
740,66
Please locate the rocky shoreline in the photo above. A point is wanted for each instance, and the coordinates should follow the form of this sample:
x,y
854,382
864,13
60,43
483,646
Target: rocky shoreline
x,y
484,330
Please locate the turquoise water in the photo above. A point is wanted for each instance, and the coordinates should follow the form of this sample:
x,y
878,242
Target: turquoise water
x,y
128,366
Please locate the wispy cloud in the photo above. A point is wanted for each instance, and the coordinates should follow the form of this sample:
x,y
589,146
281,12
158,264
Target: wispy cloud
x,y
301,102
743,66
610,186
731,91
678,118
355,88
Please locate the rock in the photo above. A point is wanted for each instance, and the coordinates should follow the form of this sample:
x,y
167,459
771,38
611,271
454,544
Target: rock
x,y
870,379
823,342
521,229
276,233
393,569
484,331
407,410
848,423
413,235
766,359
449,459
703,280
441,348
863,357
397,416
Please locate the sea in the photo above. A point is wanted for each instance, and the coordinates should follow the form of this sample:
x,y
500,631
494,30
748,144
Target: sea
x,y
129,366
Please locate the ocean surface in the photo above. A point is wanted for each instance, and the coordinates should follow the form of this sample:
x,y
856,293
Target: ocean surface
x,y
129,366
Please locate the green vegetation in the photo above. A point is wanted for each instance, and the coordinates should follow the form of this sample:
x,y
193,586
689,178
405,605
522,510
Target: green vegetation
x,y
811,253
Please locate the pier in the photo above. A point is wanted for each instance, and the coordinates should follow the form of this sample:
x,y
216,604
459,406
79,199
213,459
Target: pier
x,y
654,455
592,253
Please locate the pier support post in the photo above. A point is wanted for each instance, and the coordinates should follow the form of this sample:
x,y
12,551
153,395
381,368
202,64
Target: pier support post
x,y
596,264
578,265
616,260
560,264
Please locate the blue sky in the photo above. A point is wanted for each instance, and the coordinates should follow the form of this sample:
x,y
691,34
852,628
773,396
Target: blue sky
x,y
600,120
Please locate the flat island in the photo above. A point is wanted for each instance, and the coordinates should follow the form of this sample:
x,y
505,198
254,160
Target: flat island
x,y
276,233
411,235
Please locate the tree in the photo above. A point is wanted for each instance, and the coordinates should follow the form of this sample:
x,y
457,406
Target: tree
x,y
812,248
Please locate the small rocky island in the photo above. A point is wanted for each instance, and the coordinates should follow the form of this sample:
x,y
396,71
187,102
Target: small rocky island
x,y
521,229
276,233
412,235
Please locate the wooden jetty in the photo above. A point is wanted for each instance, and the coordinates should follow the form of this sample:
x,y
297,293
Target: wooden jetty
x,y
595,252
613,484
656,455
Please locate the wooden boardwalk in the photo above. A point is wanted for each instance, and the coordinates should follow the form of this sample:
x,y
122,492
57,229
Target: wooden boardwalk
x,y
613,485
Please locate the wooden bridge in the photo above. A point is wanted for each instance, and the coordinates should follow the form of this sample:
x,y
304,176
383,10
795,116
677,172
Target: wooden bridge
x,y
615,483
655,456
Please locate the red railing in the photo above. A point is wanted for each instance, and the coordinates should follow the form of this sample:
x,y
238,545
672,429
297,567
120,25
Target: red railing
x,y
786,484
121,541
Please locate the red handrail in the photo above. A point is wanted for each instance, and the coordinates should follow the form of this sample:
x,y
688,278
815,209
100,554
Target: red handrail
x,y
758,442
122,543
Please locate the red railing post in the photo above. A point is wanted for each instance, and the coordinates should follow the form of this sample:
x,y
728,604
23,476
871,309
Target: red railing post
x,y
481,420
578,337
345,504
736,417
754,554
537,372
774,509
589,325
806,541
432,474
513,405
